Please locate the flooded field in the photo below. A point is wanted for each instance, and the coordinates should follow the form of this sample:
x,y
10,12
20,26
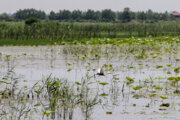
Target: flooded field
x,y
61,82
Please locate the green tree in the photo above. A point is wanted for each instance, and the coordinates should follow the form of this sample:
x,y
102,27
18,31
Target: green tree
x,y
64,15
133,15
119,16
165,16
97,16
141,16
108,15
53,16
126,15
6,17
90,15
149,14
76,15
27,13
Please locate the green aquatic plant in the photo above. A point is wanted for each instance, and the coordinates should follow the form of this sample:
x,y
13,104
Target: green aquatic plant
x,y
103,95
60,94
168,72
87,98
165,105
159,66
103,83
168,65
63,96
177,70
176,92
137,88
152,95
163,97
77,83
108,113
48,112
129,80
157,87
137,96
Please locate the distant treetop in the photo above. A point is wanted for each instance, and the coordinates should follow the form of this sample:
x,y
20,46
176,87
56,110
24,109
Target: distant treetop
x,y
106,15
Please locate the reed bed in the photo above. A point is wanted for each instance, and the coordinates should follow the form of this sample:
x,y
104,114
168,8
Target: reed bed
x,y
62,31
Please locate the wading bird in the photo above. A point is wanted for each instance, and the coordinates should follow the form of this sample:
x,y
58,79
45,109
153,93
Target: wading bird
x,y
101,70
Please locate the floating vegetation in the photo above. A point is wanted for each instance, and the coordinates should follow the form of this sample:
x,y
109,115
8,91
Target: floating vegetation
x,y
165,105
177,92
159,66
129,80
109,113
163,97
103,83
176,70
137,87
61,82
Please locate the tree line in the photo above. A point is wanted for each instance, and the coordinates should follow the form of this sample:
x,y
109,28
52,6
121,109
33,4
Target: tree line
x,y
106,15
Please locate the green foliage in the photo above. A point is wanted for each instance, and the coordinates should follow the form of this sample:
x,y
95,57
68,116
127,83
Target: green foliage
x,y
163,97
43,33
136,96
47,112
108,15
77,83
174,79
27,13
108,113
156,87
152,95
129,80
126,15
53,16
63,15
141,16
57,32
6,17
31,21
177,70
165,105
103,95
159,66
92,15
137,87
176,92
103,83
76,15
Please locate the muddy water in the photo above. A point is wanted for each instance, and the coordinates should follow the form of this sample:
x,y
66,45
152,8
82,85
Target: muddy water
x,y
31,64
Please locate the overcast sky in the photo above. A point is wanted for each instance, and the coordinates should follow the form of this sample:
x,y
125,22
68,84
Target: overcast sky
x,y
11,6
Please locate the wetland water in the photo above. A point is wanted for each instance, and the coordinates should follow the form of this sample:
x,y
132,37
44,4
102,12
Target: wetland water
x,y
137,85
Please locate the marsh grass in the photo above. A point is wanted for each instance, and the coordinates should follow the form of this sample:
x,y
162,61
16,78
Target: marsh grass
x,y
68,31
